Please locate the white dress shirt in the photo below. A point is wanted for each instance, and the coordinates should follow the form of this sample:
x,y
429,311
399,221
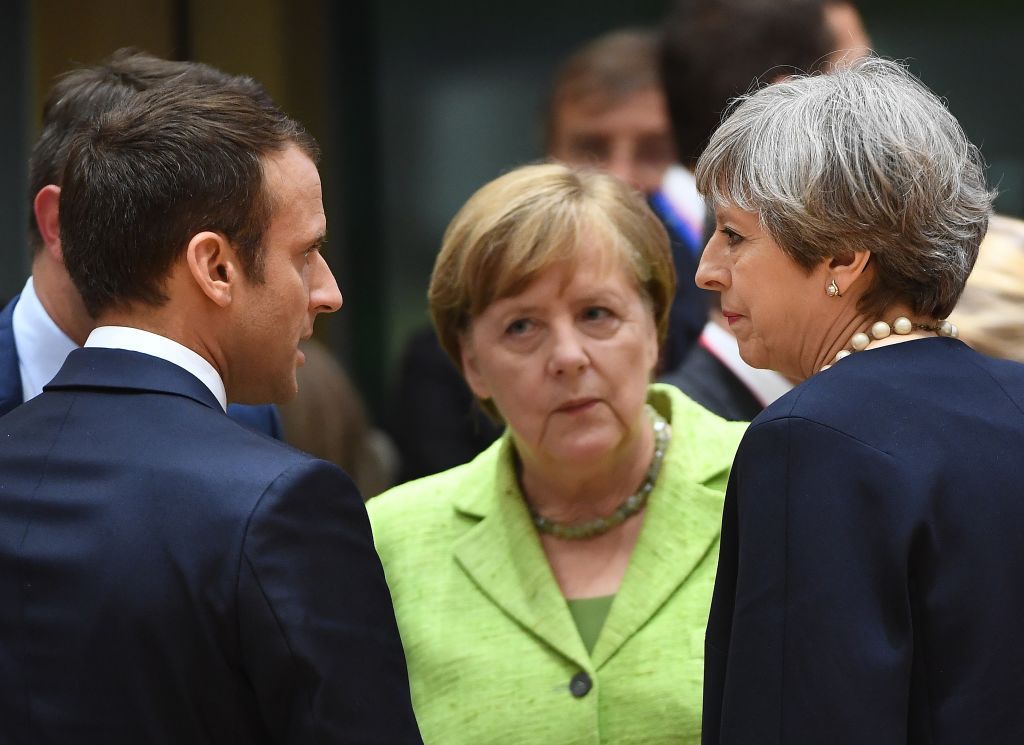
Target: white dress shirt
x,y
137,340
42,346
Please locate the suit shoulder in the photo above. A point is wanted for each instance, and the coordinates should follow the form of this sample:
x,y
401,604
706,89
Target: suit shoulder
x,y
262,418
233,450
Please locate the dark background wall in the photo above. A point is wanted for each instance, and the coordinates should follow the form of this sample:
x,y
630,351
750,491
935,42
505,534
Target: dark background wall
x,y
417,104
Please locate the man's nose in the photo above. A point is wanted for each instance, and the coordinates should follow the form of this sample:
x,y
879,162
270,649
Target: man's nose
x,y
623,166
324,295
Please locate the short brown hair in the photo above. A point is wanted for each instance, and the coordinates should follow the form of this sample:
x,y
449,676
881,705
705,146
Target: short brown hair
x,y
606,71
165,164
714,50
84,93
523,223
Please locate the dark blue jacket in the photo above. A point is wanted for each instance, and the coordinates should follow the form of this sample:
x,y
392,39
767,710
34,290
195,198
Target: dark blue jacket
x,y
169,576
870,585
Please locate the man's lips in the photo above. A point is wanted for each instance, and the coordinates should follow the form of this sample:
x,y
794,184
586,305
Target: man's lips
x,y
731,317
298,351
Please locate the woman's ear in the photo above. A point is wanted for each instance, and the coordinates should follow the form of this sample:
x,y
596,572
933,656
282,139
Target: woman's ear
x,y
471,368
848,266
213,266
45,207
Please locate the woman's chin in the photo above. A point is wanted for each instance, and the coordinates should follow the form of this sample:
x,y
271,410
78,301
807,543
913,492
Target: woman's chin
x,y
754,354
584,450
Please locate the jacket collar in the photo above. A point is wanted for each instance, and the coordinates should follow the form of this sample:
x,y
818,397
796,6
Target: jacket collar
x,y
503,556
11,394
96,368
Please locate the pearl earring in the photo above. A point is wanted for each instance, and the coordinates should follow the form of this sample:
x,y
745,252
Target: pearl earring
x,y
832,289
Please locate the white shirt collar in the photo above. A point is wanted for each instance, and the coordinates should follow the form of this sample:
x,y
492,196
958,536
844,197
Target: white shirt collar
x,y
137,340
42,346
765,385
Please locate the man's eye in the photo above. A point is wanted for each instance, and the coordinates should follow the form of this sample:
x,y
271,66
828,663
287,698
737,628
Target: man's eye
x,y
589,149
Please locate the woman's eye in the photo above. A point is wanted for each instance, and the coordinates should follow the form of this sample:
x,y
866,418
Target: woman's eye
x,y
518,327
731,236
596,313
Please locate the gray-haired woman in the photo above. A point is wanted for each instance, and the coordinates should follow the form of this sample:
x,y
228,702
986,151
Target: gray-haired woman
x,y
871,580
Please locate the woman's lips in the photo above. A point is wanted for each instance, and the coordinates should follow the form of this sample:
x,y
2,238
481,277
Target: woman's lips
x,y
731,317
577,406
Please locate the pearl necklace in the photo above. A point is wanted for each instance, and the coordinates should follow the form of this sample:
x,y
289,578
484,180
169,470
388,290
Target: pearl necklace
x,y
632,504
901,327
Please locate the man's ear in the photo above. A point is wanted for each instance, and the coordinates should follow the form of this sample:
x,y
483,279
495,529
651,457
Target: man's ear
x,y
848,266
471,370
46,209
213,265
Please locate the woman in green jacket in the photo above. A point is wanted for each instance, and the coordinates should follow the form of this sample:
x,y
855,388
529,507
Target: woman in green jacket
x,y
556,588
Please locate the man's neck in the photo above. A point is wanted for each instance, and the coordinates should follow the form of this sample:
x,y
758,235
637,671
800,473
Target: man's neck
x,y
60,299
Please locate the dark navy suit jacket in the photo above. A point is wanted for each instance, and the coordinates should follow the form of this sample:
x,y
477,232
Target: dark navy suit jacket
x,y
169,576
870,586
263,419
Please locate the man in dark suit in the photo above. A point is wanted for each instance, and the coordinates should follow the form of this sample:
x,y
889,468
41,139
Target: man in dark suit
x,y
40,327
166,575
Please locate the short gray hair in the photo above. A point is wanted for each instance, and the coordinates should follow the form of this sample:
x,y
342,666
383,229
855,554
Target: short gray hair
x,y
862,157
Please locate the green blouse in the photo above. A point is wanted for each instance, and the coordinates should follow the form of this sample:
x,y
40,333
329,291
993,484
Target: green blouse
x,y
589,614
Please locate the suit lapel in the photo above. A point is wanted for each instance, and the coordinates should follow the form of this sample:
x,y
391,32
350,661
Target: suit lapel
x,y
681,526
683,519
503,557
11,394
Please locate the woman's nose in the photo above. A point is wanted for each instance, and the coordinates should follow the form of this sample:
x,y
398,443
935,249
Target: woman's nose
x,y
568,355
711,272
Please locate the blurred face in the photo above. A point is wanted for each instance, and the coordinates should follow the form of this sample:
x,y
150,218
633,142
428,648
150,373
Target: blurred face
x,y
851,39
567,361
778,311
631,140
274,316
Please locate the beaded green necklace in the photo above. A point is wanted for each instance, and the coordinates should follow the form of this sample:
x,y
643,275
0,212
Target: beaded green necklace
x,y
632,504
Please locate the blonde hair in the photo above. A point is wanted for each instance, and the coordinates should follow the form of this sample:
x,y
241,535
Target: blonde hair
x,y
990,313
523,223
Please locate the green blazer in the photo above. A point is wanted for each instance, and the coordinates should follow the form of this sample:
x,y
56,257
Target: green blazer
x,y
491,646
